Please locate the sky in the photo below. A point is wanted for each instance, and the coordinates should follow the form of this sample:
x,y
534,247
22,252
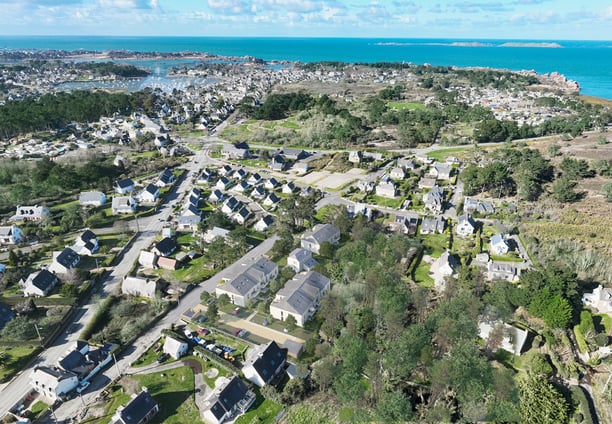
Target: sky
x,y
461,19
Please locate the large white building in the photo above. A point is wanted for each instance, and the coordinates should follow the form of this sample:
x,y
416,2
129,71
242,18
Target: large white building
x,y
301,297
53,383
247,285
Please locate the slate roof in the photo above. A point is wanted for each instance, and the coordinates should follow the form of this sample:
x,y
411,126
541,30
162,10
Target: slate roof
x,y
229,397
125,183
322,233
300,293
67,258
44,280
166,246
267,361
138,408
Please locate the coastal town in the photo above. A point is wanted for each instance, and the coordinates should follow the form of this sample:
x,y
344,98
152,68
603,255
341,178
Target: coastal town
x,y
208,273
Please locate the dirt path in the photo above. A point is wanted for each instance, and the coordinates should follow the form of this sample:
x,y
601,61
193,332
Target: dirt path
x,y
259,330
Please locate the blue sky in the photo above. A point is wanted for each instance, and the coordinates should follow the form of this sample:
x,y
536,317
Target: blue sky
x,y
509,19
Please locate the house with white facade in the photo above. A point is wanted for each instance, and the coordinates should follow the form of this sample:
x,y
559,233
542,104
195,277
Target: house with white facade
x,y
512,338
301,260
229,400
86,243
264,363
124,186
599,299
175,348
498,245
92,198
140,287
39,283
149,194
397,173
30,213
312,240
386,189
53,383
141,409
434,199
247,285
123,205
465,225
442,268
11,235
64,261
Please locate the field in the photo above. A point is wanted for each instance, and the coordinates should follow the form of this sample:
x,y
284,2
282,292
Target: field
x,y
405,106
263,411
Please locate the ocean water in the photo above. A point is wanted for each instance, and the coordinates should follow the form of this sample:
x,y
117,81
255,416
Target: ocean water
x,y
588,62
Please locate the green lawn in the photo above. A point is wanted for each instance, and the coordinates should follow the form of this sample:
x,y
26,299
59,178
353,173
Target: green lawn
x,y
263,411
18,357
384,201
406,105
421,275
280,326
435,244
193,272
582,345
442,154
37,408
149,357
605,320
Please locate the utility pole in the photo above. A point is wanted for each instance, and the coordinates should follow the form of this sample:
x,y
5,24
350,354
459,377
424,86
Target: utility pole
x,y
116,366
38,332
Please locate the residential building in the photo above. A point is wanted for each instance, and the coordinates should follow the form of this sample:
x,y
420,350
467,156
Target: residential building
x,y
312,240
512,338
294,154
258,193
264,223
123,204
147,260
355,209
355,156
86,244
223,183
498,245
386,189
241,187
39,283
30,213
599,299
271,200
441,171
278,163
483,207
140,287
139,410
229,400
433,225
509,271
92,198
165,247
301,260
442,268
64,261
271,183
289,188
165,179
11,234
434,199
175,348
406,163
124,186
225,170
85,362
397,173
264,363
407,222
231,205
232,151
149,194
167,263
465,225
212,234
254,179
53,383
300,168
247,285
300,297
216,196
242,215
365,185
425,183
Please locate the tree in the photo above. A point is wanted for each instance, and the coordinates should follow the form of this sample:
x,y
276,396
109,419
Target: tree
x,y
290,322
19,328
326,250
5,358
394,407
563,190
294,391
223,299
541,403
576,169
212,312
204,296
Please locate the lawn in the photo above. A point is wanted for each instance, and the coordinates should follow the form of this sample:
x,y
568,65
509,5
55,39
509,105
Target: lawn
x,y
193,272
405,106
510,257
384,201
18,357
582,345
149,357
442,154
604,320
421,275
262,411
280,326
435,244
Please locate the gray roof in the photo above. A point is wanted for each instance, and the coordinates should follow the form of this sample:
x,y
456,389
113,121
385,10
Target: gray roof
x,y
300,293
322,233
138,408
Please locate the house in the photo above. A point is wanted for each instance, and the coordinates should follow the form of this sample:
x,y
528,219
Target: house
x,y
498,245
211,234
271,183
239,174
167,263
278,163
139,410
425,183
232,151
300,297
11,234
53,383
242,215
64,261
175,347
30,213
312,240
512,338
264,363
355,156
149,194
355,209
123,204
258,193
406,223
225,170
223,183
397,173
433,225
247,285
300,168
165,247
6,314
434,199
216,196
264,223
465,225
294,154
483,207
147,260
271,200
85,362
241,187
599,299
188,221
229,400
166,178
365,186
124,186
205,177
39,283
441,171
386,189
301,260
254,179
139,287
374,156
86,244
508,271
92,198
289,188
406,163
445,266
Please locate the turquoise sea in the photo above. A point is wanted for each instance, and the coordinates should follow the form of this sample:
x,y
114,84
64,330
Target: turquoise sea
x,y
588,62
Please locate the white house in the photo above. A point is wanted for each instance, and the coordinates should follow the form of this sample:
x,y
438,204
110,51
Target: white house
x,y
139,410
247,285
312,240
211,234
301,260
498,245
147,259
600,299
512,338
264,363
11,234
434,199
443,267
441,171
264,223
86,243
39,283
30,213
92,198
124,186
140,287
174,347
53,383
64,261
229,400
397,173
300,297
123,204
465,225
386,189
509,271
149,194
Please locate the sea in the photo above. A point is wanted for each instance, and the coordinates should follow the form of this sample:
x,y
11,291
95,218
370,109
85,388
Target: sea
x,y
587,62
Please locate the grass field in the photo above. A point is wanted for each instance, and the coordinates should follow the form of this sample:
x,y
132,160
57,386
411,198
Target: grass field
x,y
263,411
442,154
18,356
384,201
406,106
421,275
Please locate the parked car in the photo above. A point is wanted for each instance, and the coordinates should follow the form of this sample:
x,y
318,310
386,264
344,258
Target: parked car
x,y
236,311
203,331
161,358
236,331
188,333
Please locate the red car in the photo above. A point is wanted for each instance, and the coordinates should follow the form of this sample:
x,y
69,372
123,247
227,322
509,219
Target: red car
x,y
203,331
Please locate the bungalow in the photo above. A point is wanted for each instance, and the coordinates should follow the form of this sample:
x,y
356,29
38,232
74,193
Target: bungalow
x,y
124,186
294,154
123,204
231,205
11,234
271,183
254,179
278,163
386,189
242,215
216,196
175,347
92,198
300,297
53,383
140,287
508,271
39,283
64,261
30,213
258,193
86,244
312,240
271,200
147,259
165,247
264,363
445,266
247,285
223,183
229,400
149,194
465,225
434,199
512,338
301,260
355,156
225,170
188,222
498,245
600,299
289,187
211,234
264,223
397,173
166,178
433,225
139,410
231,151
